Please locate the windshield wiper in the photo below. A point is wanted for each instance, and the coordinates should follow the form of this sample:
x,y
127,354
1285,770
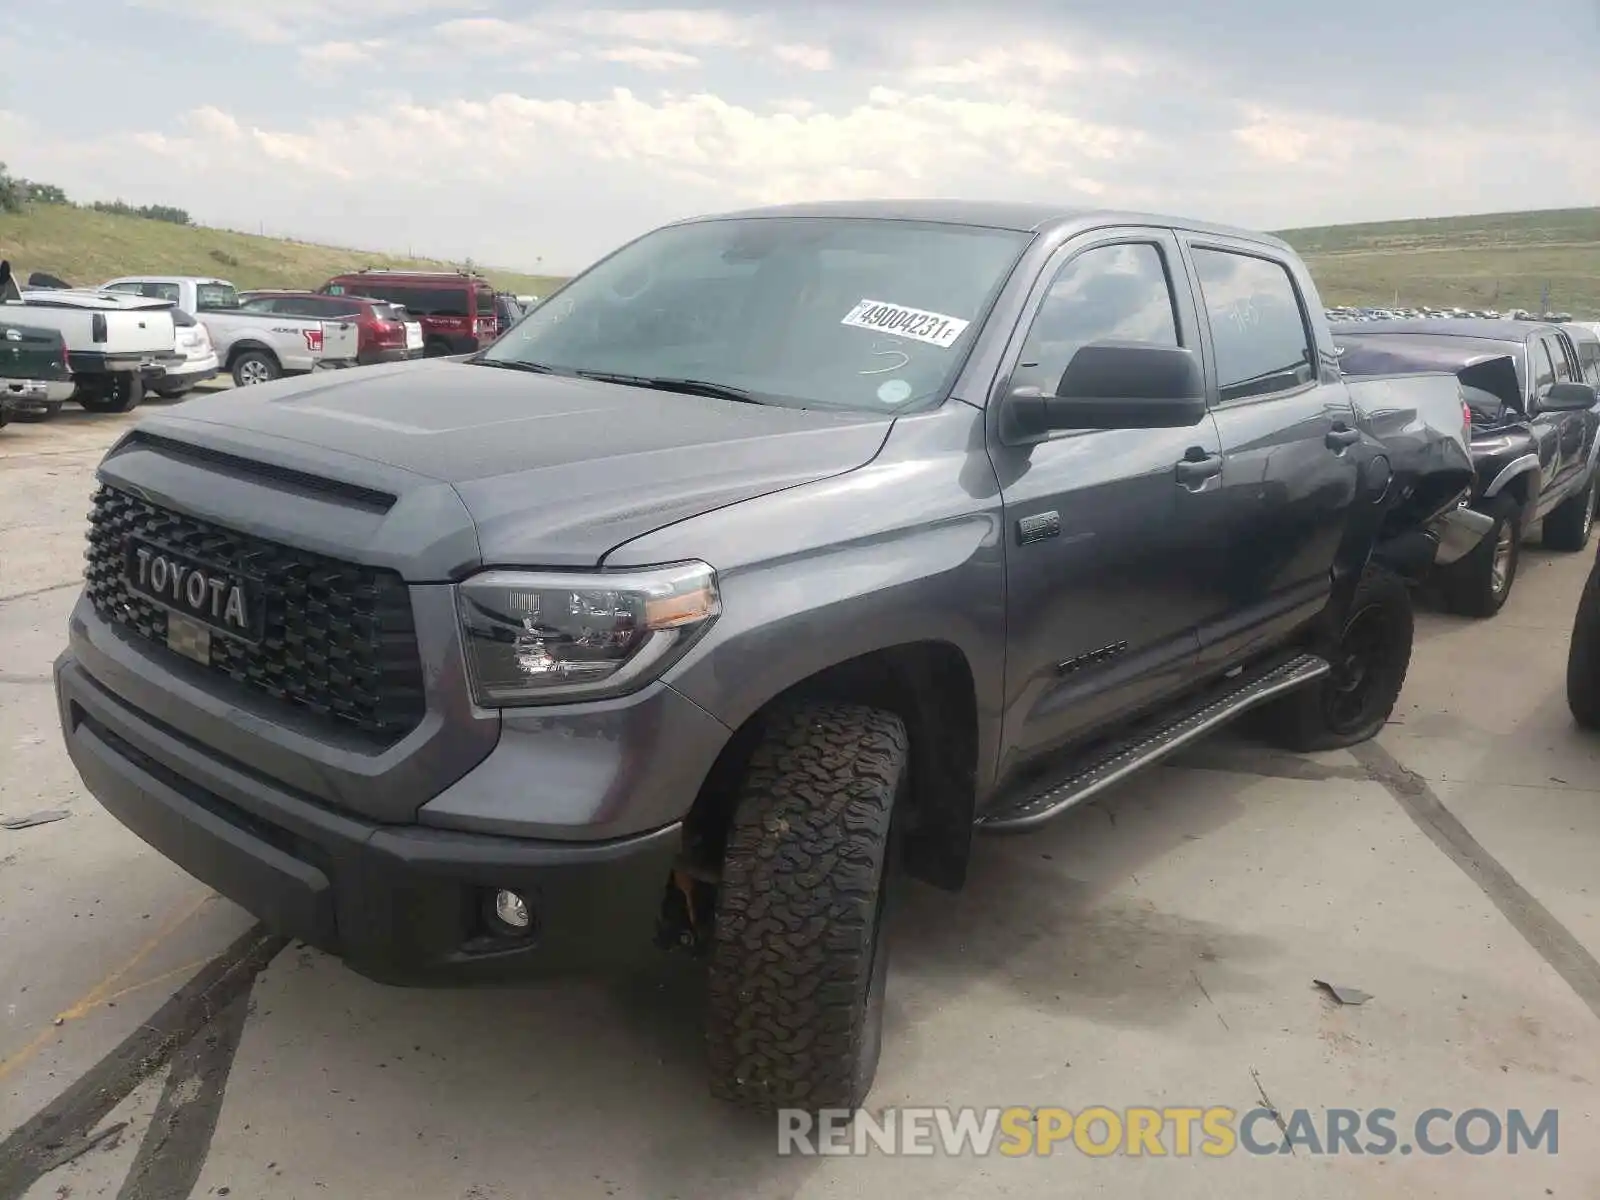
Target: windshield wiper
x,y
511,364
668,383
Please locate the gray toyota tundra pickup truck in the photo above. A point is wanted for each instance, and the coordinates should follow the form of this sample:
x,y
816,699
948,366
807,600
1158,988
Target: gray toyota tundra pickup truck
x,y
741,581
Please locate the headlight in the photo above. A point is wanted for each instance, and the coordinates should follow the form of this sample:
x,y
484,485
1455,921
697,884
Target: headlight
x,y
543,637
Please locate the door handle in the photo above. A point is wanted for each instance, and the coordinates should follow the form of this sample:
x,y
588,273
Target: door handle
x,y
1339,438
1197,466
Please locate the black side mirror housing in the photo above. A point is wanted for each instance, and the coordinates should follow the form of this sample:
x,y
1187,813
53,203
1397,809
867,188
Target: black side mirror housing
x,y
1112,385
5,278
1568,397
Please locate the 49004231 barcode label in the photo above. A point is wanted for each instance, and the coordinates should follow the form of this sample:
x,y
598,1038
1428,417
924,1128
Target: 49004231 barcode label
x,y
936,329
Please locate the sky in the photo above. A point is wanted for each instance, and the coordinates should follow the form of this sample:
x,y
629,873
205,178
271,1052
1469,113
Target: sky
x,y
539,136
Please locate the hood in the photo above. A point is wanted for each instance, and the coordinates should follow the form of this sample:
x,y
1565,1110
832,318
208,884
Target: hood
x,y
554,471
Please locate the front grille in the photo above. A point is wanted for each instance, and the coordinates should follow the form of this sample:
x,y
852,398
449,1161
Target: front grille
x,y
339,639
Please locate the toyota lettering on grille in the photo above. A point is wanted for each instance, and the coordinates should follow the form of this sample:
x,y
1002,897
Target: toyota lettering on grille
x,y
221,600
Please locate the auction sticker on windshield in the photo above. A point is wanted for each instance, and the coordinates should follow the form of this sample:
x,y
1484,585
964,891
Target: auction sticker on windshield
x,y
936,329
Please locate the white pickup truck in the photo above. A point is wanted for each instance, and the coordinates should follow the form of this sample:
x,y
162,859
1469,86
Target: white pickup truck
x,y
114,343
253,347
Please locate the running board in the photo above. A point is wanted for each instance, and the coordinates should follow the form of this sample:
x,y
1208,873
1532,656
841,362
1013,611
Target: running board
x,y
1040,800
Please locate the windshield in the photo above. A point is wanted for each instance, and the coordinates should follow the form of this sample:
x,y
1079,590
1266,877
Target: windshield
x,y
807,312
212,296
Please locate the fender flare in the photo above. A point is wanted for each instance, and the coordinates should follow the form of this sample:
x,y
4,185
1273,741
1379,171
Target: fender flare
x,y
1514,468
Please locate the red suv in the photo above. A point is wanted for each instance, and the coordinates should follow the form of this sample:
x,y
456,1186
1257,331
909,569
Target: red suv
x,y
380,325
456,309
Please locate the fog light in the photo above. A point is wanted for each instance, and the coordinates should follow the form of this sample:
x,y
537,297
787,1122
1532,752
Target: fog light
x,y
512,910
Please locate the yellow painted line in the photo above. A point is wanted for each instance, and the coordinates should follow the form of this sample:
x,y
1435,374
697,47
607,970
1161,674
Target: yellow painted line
x,y
105,989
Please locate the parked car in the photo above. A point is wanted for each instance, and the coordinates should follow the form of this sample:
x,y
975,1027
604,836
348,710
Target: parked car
x,y
115,344
457,310
252,347
200,359
931,517
35,375
507,311
380,327
1535,421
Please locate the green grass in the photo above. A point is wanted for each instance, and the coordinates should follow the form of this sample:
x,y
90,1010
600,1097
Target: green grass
x,y
1499,260
86,247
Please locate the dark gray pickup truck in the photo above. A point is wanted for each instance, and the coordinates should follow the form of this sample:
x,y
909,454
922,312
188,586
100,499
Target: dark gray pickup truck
x,y
741,580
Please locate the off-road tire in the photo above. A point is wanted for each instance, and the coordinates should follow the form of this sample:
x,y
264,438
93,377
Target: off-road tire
x,y
1308,719
1468,586
1583,656
251,363
798,961
123,394
1568,527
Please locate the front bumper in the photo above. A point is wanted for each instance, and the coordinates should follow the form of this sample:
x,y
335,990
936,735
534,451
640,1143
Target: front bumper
x,y
400,903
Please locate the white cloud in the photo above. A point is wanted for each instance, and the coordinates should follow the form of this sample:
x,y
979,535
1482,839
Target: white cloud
x,y
648,58
330,57
799,54
290,20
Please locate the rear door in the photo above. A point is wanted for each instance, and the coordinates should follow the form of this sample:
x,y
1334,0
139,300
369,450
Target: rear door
x,y
1289,470
1104,571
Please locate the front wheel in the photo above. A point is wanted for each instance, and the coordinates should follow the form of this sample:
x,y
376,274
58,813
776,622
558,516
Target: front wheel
x,y
1569,526
1369,659
1480,584
799,960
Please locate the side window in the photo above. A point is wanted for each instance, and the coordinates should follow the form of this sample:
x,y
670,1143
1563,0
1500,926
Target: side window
x,y
1257,325
1558,355
1118,292
1544,367
161,291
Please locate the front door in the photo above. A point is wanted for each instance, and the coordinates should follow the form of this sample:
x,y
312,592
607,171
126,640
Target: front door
x,y
1102,596
1570,426
1290,465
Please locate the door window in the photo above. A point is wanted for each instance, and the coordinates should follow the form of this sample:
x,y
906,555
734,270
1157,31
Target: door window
x,y
1544,367
1258,326
1120,292
1558,355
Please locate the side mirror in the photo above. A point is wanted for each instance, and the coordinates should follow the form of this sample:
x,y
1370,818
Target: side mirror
x,y
5,275
1568,397
1112,385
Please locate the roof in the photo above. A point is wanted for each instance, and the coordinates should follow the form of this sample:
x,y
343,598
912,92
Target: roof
x,y
1380,353
173,279
1451,327
989,214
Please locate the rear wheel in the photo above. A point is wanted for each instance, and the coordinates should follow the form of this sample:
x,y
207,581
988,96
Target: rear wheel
x,y
1569,526
1583,656
44,413
172,391
1369,659
119,394
1480,584
253,367
799,960
436,348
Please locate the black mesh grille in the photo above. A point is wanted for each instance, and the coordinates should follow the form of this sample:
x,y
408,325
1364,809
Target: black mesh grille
x,y
339,638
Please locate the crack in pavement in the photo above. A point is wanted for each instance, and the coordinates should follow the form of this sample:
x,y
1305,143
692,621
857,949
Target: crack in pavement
x,y
1539,927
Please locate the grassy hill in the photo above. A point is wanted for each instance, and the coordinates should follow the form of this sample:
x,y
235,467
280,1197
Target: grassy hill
x,y
87,247
1498,260
1502,260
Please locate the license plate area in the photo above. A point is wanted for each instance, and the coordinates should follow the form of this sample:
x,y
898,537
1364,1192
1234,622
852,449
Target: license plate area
x,y
207,599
